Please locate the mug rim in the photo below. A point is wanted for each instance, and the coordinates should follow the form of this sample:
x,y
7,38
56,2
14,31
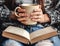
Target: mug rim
x,y
28,4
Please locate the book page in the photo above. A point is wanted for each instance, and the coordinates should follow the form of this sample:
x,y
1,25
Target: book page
x,y
41,32
18,31
15,37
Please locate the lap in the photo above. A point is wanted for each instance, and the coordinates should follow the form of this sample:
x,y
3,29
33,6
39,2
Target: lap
x,y
44,43
11,42
15,43
47,42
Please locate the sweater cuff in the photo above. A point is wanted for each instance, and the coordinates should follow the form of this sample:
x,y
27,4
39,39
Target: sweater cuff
x,y
53,18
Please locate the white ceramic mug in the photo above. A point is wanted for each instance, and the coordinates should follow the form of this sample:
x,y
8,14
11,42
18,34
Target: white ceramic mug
x,y
29,9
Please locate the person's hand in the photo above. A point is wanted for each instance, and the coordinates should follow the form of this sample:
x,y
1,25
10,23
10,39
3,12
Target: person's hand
x,y
22,15
38,16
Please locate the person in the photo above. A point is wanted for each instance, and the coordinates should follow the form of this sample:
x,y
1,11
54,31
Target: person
x,y
52,9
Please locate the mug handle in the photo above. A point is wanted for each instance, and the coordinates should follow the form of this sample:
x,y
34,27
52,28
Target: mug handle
x,y
16,12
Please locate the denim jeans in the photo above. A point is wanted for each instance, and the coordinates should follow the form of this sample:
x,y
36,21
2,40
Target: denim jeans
x,y
56,40
11,42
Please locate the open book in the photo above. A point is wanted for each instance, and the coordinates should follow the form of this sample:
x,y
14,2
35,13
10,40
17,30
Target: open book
x,y
22,35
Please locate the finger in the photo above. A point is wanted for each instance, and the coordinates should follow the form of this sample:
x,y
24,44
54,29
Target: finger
x,y
23,14
38,20
37,10
36,13
24,22
21,10
35,17
22,19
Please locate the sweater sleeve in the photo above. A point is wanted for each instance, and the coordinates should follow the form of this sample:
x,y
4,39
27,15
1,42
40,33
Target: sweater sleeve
x,y
4,13
54,13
